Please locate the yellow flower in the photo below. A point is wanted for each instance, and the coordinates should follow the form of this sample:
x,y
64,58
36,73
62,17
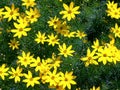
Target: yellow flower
x,y
90,58
11,13
41,38
33,15
37,64
80,34
65,51
104,55
3,71
69,11
111,5
55,61
28,3
67,80
112,10
25,59
62,28
54,22
16,74
70,34
52,40
52,78
20,30
14,44
93,88
116,30
96,46
30,80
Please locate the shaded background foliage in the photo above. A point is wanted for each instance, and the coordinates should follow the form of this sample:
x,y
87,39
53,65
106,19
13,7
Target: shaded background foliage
x,y
92,20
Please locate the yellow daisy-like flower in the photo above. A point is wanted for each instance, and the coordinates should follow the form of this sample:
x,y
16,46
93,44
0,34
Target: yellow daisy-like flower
x,y
90,58
20,30
25,59
33,15
67,80
30,80
41,38
54,22
11,13
14,44
116,30
65,51
80,34
69,11
37,64
16,74
3,71
28,3
52,40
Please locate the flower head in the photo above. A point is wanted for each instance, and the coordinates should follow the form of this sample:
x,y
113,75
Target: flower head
x,y
28,3
16,74
52,40
30,80
11,13
65,51
41,38
3,71
14,44
21,30
69,11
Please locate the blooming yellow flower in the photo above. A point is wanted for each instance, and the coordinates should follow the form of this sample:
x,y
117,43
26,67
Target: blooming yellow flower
x,y
14,44
111,5
80,34
28,3
104,55
70,34
41,38
3,71
52,39
90,58
16,74
69,11
30,80
54,22
116,30
67,80
52,78
11,13
37,64
20,30
93,88
25,59
96,46
112,10
65,51
33,15
62,28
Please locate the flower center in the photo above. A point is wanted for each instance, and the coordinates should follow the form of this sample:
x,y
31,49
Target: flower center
x,y
11,13
69,12
21,29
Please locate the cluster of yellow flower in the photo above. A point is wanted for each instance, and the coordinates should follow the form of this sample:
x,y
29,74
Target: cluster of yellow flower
x,y
107,52
102,53
45,69
113,10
